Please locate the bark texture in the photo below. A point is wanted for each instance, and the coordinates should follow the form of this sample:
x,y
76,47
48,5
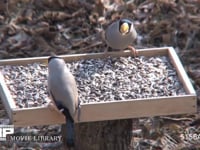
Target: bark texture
x,y
104,135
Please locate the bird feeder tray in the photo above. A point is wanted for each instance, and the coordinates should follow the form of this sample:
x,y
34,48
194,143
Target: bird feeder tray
x,y
100,111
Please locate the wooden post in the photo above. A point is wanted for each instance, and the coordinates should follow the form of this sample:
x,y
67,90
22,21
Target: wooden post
x,y
102,135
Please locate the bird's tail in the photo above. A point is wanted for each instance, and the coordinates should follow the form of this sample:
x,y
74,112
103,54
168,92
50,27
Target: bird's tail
x,y
70,132
70,129
69,125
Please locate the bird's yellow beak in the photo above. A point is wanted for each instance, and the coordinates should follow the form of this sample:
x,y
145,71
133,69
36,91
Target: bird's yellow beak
x,y
124,28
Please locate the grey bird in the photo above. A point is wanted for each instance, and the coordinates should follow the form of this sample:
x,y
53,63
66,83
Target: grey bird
x,y
63,90
121,34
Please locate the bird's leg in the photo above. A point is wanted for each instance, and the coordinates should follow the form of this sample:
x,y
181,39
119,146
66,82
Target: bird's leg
x,y
78,111
106,49
133,50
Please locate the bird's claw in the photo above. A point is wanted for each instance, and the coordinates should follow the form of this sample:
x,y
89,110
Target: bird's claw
x,y
133,50
79,112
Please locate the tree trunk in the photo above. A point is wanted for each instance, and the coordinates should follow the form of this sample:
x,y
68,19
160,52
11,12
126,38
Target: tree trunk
x,y
104,135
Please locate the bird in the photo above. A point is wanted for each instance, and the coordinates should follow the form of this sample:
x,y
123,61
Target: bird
x,y
120,35
63,90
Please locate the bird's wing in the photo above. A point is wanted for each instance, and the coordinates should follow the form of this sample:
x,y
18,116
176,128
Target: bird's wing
x,y
59,105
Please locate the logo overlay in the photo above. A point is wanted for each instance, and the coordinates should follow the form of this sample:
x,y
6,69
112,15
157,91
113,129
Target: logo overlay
x,y
5,130
7,134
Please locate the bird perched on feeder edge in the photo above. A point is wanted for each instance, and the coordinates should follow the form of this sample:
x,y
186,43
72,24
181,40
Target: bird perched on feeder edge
x,y
63,90
121,34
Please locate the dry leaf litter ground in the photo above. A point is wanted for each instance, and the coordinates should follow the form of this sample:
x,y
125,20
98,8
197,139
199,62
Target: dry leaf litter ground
x,y
36,28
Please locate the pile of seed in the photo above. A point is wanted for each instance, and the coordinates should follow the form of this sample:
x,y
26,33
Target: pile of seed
x,y
98,80
27,84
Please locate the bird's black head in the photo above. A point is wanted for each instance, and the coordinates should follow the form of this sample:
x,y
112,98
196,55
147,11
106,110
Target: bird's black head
x,y
125,26
53,57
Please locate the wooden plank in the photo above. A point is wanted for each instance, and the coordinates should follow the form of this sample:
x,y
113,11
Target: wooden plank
x,y
6,97
181,72
36,116
110,110
138,108
75,57
153,52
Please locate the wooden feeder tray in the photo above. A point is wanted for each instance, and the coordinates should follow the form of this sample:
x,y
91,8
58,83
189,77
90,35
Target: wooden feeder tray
x,y
156,106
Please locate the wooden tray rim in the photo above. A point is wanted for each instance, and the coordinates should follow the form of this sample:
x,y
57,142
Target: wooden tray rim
x,y
169,51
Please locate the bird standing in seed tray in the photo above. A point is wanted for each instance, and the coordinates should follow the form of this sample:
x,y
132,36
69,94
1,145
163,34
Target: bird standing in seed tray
x,y
63,90
121,34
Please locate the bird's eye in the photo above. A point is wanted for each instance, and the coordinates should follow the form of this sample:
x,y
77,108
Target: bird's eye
x,y
124,28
